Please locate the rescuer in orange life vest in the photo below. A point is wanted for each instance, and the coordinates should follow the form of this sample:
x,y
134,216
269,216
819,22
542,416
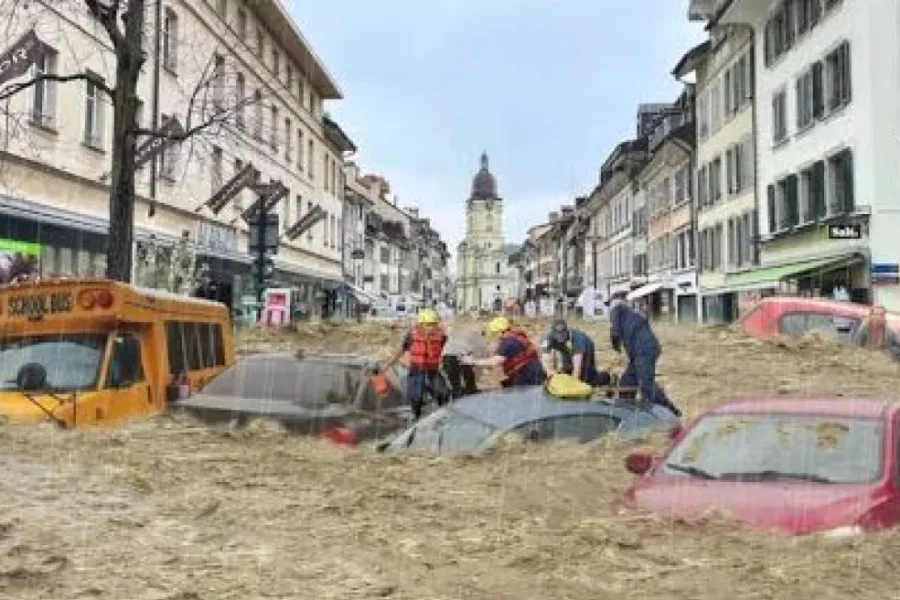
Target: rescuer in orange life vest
x,y
515,353
425,344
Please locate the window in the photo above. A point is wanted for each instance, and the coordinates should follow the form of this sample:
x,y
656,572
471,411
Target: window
x,y
715,101
702,187
94,127
218,81
276,63
309,232
385,255
289,78
703,115
838,71
812,181
273,137
581,428
839,329
240,91
288,135
789,201
300,150
170,156
310,158
840,168
69,361
125,366
804,95
258,121
170,40
681,182
176,348
779,117
728,97
325,170
242,23
715,180
215,171
43,105
260,42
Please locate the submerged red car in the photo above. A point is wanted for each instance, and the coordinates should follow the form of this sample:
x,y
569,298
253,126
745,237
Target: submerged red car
x,y
790,465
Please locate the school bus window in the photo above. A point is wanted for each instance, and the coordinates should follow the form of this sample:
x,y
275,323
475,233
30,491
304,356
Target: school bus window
x,y
125,368
219,345
192,341
175,340
51,362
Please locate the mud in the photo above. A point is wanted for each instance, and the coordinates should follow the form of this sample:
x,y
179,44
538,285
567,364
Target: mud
x,y
170,509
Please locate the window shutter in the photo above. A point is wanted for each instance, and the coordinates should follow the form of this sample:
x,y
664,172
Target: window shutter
x,y
818,104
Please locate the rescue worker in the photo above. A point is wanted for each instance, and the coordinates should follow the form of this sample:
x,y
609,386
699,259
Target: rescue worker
x,y
630,328
424,344
515,354
461,377
577,351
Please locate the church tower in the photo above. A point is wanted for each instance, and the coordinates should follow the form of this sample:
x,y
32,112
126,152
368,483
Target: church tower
x,y
482,262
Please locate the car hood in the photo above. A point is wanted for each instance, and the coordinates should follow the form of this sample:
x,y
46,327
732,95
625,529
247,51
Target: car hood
x,y
790,507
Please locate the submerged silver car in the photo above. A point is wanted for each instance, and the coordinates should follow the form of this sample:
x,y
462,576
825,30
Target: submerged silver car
x,y
474,423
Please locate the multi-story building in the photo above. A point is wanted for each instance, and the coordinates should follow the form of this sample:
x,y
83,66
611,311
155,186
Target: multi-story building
x,y
725,198
386,269
483,276
244,60
671,289
826,129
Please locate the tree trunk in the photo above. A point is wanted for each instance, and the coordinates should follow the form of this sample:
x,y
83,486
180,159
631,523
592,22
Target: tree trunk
x,y
129,58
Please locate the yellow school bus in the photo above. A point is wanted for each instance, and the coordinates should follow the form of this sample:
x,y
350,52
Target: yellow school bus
x,y
94,351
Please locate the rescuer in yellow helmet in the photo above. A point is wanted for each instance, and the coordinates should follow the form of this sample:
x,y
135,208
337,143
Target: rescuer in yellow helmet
x,y
515,354
424,345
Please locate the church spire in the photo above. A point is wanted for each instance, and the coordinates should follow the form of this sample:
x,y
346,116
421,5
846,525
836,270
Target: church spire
x,y
484,160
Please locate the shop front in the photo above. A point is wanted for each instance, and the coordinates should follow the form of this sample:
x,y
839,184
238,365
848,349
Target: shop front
x,y
685,293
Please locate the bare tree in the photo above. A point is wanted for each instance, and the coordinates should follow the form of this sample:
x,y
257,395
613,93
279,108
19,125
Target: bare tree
x,y
123,22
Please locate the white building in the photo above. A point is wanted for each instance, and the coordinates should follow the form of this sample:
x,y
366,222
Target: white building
x,y
726,198
247,59
827,89
484,277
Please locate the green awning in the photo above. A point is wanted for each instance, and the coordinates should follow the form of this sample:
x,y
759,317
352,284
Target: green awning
x,y
771,276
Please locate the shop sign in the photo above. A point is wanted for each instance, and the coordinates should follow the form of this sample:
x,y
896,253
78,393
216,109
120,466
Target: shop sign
x,y
217,238
845,232
18,58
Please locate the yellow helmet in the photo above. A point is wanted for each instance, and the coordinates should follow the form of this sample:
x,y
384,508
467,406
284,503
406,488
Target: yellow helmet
x,y
429,316
499,325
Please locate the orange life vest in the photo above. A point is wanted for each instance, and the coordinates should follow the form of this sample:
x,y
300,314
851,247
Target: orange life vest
x,y
425,348
514,364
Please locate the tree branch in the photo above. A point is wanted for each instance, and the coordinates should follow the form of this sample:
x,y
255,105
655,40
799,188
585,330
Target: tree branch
x,y
219,117
12,90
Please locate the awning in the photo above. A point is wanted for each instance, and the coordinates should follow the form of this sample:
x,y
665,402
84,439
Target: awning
x,y
770,277
646,290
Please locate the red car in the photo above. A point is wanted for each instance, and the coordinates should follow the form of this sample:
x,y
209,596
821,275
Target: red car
x,y
790,315
790,465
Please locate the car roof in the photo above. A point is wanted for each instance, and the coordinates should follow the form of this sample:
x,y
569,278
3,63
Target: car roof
x,y
840,306
511,407
867,408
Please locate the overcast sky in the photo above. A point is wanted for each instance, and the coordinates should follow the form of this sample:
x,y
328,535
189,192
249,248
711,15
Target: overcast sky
x,y
547,92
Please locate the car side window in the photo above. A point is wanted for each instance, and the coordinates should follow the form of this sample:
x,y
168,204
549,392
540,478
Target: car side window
x,y
125,366
834,327
580,428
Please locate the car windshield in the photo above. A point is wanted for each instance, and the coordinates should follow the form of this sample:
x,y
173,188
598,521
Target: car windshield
x,y
780,447
445,431
51,362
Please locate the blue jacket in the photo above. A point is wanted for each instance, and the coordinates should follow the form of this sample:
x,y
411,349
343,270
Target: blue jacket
x,y
579,343
630,328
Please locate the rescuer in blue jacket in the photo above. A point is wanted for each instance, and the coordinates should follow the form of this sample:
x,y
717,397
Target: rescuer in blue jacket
x,y
629,328
576,350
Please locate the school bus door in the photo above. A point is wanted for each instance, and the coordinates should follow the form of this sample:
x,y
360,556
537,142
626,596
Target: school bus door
x,y
127,383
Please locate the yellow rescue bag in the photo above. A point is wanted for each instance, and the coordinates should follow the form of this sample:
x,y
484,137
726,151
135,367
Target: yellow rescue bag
x,y
568,387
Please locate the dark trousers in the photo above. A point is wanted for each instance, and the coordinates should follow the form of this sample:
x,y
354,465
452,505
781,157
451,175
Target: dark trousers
x,y
641,371
422,383
460,377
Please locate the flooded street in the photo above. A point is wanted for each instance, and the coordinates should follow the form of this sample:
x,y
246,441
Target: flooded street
x,y
171,509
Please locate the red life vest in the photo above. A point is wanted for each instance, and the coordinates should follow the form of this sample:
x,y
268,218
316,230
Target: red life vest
x,y
425,348
514,364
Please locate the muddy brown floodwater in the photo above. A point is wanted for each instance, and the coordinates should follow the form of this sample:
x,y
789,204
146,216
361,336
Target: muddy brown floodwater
x,y
171,509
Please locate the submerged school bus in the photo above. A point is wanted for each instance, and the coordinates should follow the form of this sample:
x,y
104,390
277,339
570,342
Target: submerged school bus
x,y
80,352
